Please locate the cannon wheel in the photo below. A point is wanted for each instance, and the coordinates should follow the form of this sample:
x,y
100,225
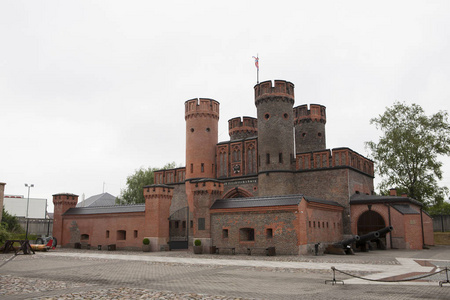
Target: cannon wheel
x,y
39,241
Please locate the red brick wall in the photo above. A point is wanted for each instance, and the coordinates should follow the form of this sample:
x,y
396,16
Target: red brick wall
x,y
96,227
284,225
323,224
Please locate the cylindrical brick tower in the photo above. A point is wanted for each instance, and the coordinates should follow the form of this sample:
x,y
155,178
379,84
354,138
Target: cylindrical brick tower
x,y
202,121
310,128
274,106
242,128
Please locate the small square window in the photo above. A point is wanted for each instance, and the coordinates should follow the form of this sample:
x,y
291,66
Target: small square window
x,y
225,233
247,234
269,233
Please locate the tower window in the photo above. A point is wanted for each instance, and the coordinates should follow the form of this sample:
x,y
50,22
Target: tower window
x,y
267,158
267,116
203,168
192,168
280,158
319,134
225,233
208,129
192,129
201,223
269,233
286,116
303,134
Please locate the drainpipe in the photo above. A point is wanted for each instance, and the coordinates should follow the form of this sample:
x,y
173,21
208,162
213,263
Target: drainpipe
x,y
421,223
390,224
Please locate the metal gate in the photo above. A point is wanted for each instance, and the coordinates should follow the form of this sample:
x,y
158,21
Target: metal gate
x,y
179,229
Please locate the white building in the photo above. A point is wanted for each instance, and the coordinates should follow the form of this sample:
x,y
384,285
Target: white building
x,y
16,205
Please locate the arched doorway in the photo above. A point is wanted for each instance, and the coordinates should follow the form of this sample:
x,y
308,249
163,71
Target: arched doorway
x,y
370,221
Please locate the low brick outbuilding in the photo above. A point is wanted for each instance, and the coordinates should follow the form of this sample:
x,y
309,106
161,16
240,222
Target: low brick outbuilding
x,y
292,223
413,228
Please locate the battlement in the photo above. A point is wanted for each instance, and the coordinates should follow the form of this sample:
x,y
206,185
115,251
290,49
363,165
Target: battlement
x,y
242,128
316,113
201,107
281,88
170,176
158,191
338,157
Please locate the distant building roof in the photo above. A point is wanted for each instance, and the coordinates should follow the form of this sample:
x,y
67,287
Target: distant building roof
x,y
104,199
105,209
266,201
368,199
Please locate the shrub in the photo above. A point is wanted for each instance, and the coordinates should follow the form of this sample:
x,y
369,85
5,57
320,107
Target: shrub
x,y
146,241
4,234
197,243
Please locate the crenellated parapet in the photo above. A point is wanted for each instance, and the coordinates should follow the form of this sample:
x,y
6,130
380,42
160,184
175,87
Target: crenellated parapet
x,y
65,199
281,90
207,186
170,176
316,113
201,107
158,191
242,128
338,157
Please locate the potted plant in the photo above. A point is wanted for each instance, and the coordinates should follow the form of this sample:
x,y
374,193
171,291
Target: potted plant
x,y
146,245
197,247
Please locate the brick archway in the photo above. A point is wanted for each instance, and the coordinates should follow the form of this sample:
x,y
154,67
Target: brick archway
x,y
237,193
370,221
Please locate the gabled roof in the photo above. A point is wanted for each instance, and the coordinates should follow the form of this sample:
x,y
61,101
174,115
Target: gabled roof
x,y
372,199
266,201
105,209
104,199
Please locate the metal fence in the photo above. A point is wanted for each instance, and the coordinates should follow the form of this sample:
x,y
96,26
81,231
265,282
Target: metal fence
x,y
40,227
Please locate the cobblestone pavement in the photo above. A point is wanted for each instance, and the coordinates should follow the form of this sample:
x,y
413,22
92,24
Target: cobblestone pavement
x,y
91,274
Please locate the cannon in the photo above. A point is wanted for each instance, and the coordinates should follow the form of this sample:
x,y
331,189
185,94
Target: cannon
x,y
342,247
347,242
385,230
374,235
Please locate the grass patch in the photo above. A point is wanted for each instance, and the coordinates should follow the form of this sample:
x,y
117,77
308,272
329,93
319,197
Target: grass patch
x,y
442,238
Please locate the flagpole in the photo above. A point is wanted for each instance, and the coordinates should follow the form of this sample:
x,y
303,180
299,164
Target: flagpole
x,y
257,71
257,67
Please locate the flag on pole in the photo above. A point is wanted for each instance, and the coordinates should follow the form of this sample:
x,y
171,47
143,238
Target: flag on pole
x,y
256,62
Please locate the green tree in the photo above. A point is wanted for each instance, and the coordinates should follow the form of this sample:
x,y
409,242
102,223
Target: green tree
x,y
406,156
10,222
134,192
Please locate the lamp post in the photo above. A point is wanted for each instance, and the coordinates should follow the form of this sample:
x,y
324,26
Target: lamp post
x,y
28,204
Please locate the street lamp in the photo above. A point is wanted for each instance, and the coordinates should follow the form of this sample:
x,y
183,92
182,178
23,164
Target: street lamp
x,y
28,204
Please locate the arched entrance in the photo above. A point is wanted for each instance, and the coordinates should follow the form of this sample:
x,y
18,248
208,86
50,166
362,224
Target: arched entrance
x,y
237,193
370,221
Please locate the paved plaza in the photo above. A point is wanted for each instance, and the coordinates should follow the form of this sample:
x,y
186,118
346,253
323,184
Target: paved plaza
x,y
93,274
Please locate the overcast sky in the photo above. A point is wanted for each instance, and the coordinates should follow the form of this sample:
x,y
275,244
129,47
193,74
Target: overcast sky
x,y
92,90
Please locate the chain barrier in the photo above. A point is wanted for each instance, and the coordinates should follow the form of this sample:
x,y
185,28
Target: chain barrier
x,y
334,281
